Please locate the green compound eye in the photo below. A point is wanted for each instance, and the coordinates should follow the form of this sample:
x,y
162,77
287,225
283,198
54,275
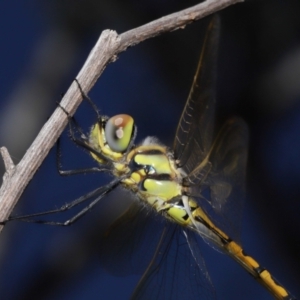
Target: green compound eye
x,y
118,132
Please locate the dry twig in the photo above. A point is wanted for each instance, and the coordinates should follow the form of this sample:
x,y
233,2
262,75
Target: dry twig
x,y
107,47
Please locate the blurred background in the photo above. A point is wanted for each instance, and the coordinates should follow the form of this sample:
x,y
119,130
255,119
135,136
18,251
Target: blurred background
x,y
45,43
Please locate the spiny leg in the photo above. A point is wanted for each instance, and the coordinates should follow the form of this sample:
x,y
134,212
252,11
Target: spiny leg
x,y
82,142
99,192
86,97
75,171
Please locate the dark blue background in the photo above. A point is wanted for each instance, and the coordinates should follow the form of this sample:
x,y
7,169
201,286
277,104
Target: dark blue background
x,y
43,46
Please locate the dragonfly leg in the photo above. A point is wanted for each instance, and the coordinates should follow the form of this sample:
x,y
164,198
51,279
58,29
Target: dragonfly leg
x,y
73,172
88,99
83,142
99,193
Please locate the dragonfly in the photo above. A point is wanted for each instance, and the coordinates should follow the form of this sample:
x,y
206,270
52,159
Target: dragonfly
x,y
193,190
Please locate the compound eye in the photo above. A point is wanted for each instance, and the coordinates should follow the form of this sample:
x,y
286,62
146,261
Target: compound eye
x,y
118,132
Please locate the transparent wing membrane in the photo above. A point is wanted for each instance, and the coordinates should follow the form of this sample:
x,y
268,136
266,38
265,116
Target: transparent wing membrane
x,y
139,242
215,168
128,244
222,189
194,132
177,270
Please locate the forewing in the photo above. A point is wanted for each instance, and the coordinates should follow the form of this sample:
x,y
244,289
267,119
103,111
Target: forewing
x,y
195,128
177,270
221,191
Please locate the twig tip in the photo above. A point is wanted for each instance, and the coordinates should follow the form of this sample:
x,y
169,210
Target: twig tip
x,y
8,162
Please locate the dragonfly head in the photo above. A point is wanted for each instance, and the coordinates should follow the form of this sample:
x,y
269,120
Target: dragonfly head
x,y
119,131
113,137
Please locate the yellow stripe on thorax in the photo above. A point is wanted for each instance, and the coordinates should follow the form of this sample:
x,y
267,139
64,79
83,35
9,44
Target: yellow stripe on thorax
x,y
155,177
159,162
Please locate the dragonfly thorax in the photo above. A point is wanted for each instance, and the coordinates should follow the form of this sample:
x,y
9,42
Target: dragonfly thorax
x,y
150,170
153,174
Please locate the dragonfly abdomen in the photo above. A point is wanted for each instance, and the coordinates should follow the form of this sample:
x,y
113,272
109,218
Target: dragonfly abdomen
x,y
257,271
224,242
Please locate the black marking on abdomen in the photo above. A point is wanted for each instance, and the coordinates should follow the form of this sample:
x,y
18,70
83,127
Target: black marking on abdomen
x,y
259,270
225,241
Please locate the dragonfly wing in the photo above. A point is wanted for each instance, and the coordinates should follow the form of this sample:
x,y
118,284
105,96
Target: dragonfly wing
x,y
223,188
194,131
177,270
128,244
